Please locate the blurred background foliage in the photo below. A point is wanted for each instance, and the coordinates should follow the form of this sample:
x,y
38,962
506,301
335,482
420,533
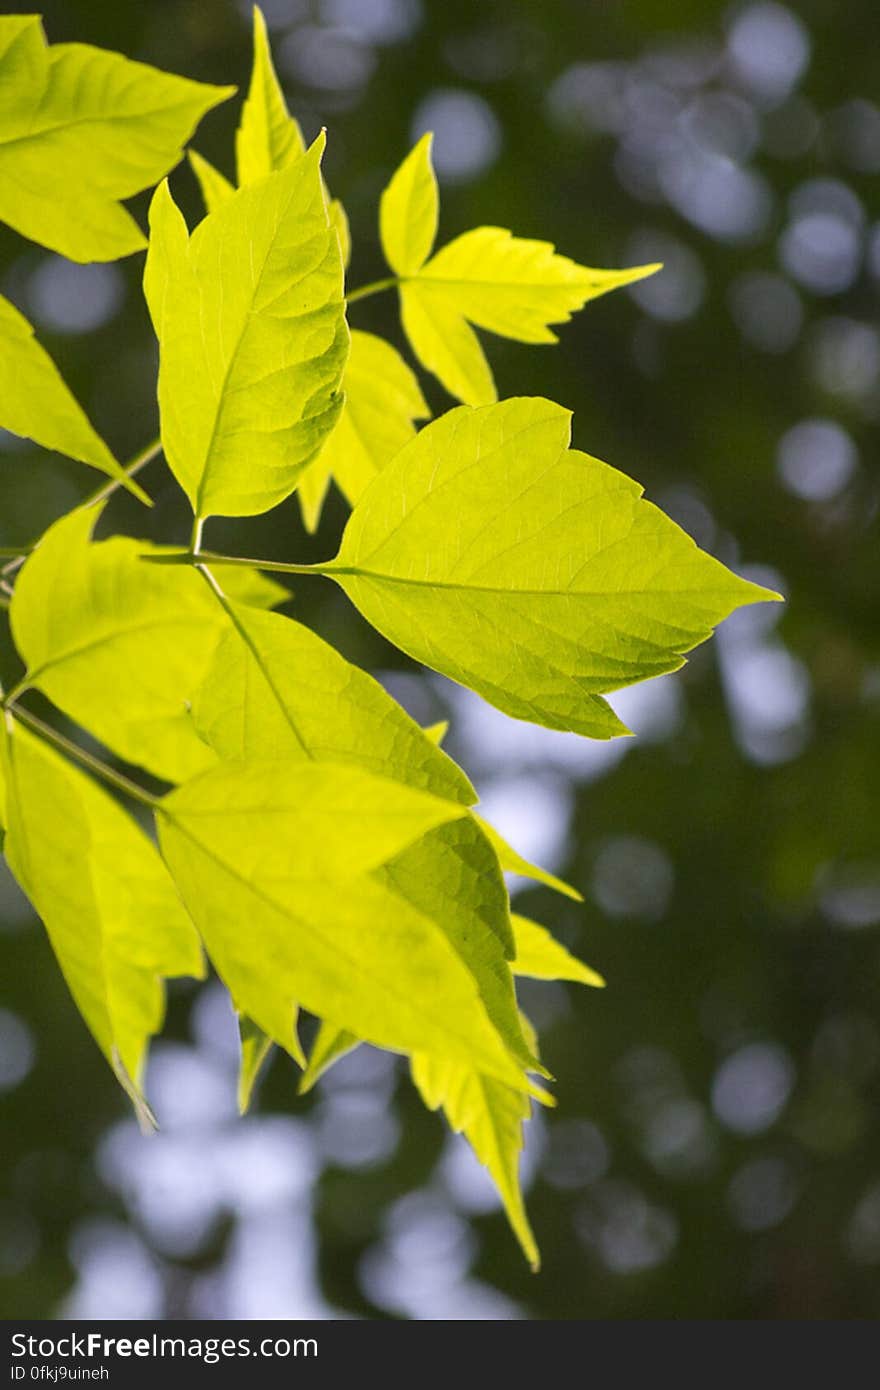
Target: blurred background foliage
x,y
716,1148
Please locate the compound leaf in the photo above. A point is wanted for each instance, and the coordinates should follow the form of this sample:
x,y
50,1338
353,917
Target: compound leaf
x,y
111,911
80,129
36,403
252,335
122,646
536,575
306,855
275,689
382,400
509,285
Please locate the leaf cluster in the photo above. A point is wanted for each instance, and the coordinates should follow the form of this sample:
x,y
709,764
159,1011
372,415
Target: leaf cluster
x,y
315,844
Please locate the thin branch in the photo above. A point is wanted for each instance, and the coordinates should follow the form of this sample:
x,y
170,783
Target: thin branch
x,y
16,555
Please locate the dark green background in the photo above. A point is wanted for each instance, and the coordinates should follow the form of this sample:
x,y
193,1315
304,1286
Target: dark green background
x,y
716,1148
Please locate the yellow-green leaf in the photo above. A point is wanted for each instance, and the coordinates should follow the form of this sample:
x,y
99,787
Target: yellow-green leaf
x,y
248,402
536,575
122,646
36,403
268,137
111,911
214,186
382,400
305,855
445,343
275,689
491,1116
408,211
516,287
540,956
339,221
508,285
331,1043
81,129
513,862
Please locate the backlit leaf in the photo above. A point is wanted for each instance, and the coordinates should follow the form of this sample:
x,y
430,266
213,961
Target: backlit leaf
x,y
214,186
382,400
36,403
111,911
540,956
80,129
491,1116
268,137
513,862
252,336
331,1043
275,689
311,857
122,646
532,573
508,285
408,211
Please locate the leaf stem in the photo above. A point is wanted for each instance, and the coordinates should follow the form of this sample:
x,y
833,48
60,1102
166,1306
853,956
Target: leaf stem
x,y
73,750
209,557
375,287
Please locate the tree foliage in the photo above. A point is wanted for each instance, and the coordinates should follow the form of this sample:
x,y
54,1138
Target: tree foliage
x,y
318,843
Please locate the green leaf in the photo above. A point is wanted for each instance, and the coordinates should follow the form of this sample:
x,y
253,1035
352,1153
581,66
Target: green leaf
x,y
489,1113
111,911
491,1116
268,137
513,862
516,287
122,646
306,855
339,222
445,343
530,572
331,1043
382,399
540,956
275,689
247,406
36,403
509,285
215,187
80,129
409,210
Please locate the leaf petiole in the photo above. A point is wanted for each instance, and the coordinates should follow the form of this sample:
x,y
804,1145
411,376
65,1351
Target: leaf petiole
x,y
209,557
375,287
